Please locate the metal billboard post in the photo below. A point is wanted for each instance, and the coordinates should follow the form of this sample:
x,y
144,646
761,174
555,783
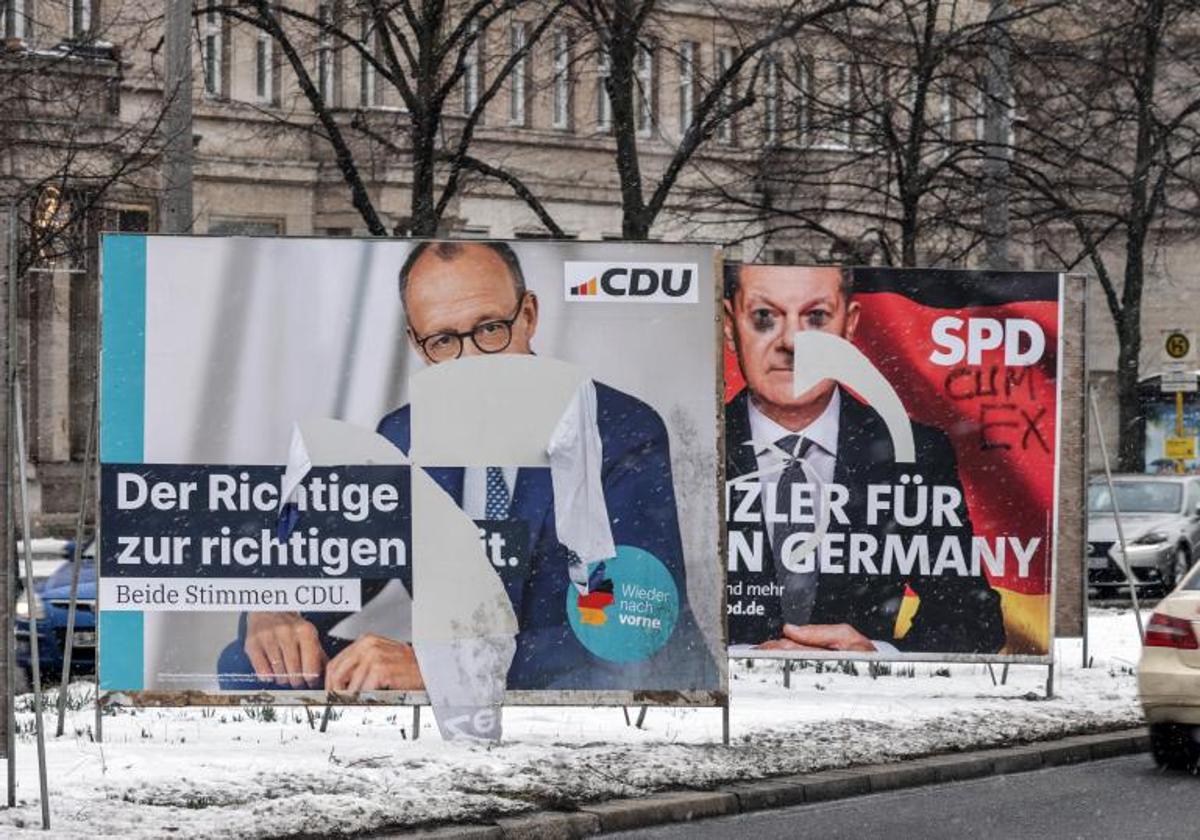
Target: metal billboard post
x,y
74,597
1112,494
19,423
8,549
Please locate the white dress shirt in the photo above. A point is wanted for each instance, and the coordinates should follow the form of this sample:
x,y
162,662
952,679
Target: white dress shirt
x,y
821,456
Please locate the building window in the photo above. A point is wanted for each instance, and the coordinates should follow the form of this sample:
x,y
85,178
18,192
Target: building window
x,y
724,62
81,18
516,101
980,114
645,82
803,98
325,55
212,49
562,79
603,103
367,95
842,104
771,101
133,220
472,70
15,18
264,68
688,51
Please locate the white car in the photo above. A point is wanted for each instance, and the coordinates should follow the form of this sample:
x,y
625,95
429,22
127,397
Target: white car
x,y
1169,676
1160,517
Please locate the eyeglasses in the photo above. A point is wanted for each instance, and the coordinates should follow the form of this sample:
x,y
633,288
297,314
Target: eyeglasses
x,y
489,337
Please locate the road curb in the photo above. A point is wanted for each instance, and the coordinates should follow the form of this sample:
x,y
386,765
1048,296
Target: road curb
x,y
784,791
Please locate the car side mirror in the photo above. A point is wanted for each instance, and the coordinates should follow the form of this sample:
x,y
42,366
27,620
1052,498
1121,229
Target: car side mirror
x,y
1196,511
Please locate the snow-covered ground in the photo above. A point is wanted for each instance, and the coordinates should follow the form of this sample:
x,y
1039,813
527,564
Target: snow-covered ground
x,y
264,773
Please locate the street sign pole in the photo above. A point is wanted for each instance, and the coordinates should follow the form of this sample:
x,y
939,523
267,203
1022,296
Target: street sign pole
x,y
1179,359
1179,427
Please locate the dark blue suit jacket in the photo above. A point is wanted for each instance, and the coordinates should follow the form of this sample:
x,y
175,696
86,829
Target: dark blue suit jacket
x,y
640,495
636,475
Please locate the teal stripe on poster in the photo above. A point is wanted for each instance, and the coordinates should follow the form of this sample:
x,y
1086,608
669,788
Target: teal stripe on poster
x,y
121,650
122,418
123,349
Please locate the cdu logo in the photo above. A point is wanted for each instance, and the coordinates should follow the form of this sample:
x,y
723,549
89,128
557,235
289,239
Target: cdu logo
x,y
632,282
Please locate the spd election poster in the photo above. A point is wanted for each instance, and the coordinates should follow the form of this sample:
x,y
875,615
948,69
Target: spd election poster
x,y
385,470
891,461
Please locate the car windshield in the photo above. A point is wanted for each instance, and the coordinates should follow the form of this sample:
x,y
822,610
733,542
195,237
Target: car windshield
x,y
1136,497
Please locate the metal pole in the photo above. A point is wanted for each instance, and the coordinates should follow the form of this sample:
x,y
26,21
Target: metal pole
x,y
29,596
74,597
1085,457
1112,493
1179,462
787,673
9,542
10,545
98,723
177,119
725,722
97,536
416,722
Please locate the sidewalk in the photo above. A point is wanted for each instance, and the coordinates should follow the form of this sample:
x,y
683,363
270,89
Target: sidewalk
x,y
262,772
785,791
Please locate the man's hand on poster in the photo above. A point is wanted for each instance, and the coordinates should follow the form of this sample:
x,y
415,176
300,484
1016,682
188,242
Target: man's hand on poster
x,y
819,637
374,663
284,648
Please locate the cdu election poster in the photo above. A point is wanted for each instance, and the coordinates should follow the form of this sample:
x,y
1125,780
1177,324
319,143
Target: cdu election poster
x,y
891,461
463,473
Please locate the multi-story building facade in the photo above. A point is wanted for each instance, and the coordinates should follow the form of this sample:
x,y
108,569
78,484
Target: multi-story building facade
x,y
264,166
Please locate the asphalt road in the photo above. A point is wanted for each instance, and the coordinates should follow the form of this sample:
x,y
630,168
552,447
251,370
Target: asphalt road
x,y
1122,799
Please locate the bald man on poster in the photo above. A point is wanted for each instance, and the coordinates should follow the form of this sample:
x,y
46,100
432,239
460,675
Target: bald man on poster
x,y
776,438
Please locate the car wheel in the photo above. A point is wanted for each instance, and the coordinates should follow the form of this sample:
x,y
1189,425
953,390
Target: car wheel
x,y
1172,746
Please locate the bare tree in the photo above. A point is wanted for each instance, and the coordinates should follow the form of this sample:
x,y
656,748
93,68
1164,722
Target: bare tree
x,y
880,156
69,148
627,33
429,54
1110,156
71,157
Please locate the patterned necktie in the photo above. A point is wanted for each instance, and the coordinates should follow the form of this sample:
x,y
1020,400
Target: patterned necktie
x,y
498,498
799,588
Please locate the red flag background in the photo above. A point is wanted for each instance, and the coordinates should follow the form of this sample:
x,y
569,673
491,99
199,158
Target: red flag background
x,y
1001,420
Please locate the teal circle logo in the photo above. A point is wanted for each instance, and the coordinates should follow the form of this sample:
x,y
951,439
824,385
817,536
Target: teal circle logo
x,y
630,611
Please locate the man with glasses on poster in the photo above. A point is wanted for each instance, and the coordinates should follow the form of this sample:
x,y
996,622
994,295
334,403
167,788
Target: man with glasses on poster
x,y
466,299
778,443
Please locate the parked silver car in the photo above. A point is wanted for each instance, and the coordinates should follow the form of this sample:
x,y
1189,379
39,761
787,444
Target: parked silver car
x,y
1160,515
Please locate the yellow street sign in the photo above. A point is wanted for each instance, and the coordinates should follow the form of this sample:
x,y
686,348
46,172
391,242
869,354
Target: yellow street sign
x,y
1180,448
1177,345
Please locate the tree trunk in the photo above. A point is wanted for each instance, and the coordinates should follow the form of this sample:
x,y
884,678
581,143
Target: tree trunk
x,y
1131,428
623,97
424,219
908,232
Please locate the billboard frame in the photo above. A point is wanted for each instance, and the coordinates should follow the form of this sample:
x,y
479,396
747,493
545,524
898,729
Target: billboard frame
x,y
1072,301
714,698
